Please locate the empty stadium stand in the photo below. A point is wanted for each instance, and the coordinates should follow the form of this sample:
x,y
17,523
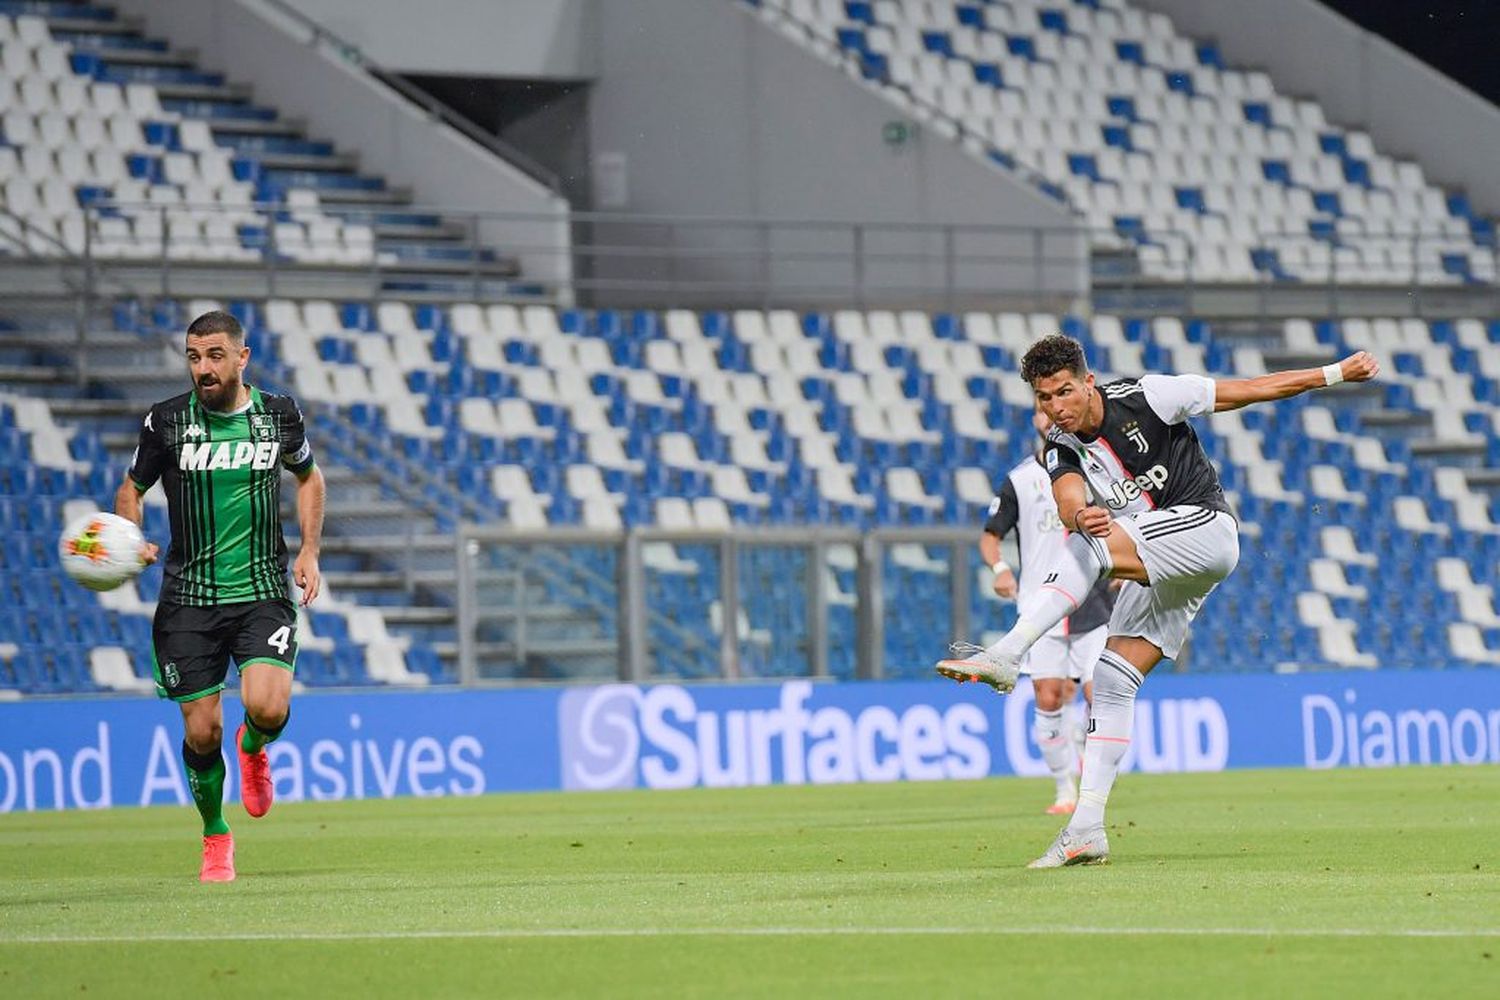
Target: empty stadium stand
x,y
1202,169
1370,514
116,144
1370,527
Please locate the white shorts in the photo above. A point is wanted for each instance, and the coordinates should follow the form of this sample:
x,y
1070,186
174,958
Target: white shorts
x,y
1066,657
1186,552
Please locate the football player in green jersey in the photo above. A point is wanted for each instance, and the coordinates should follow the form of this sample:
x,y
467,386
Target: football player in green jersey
x,y
218,451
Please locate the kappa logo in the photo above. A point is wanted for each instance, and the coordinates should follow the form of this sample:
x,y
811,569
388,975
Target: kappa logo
x,y
194,431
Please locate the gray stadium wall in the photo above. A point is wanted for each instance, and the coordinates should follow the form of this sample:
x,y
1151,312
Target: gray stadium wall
x,y
255,44
1363,81
518,39
701,109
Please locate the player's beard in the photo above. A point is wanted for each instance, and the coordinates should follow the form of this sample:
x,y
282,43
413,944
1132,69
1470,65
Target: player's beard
x,y
219,395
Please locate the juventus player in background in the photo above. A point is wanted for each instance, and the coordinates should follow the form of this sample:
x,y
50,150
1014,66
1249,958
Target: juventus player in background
x,y
1158,520
1066,654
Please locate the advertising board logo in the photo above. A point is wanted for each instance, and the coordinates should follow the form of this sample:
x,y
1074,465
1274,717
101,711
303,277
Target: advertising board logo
x,y
1354,735
624,736
600,734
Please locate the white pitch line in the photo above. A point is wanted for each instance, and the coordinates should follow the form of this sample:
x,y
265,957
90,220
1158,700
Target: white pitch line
x,y
754,932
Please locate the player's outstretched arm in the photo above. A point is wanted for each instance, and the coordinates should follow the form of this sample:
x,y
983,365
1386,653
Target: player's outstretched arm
x,y
1233,393
312,495
128,501
128,506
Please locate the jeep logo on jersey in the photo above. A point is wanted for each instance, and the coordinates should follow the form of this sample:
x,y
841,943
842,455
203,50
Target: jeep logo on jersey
x,y
210,457
1048,519
1123,491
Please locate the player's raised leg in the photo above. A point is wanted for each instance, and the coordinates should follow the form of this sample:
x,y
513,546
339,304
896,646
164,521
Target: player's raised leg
x,y
1084,559
203,754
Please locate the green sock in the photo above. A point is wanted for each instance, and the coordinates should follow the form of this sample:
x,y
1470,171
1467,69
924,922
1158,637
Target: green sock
x,y
205,774
257,737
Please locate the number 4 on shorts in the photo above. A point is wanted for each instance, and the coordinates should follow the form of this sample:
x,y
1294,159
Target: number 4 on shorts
x,y
280,639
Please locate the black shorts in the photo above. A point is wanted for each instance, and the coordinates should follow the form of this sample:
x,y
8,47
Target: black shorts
x,y
191,646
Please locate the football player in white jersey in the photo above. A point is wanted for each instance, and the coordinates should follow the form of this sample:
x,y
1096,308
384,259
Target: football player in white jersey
x,y
1145,505
1065,656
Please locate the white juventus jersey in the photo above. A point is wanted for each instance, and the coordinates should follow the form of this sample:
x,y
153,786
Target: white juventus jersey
x,y
1041,533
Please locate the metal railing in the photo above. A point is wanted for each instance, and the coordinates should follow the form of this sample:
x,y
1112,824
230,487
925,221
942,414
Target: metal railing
x,y
630,261
608,258
77,278
499,566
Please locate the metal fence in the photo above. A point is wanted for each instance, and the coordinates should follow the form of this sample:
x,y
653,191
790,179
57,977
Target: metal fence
x,y
601,259
581,604
625,260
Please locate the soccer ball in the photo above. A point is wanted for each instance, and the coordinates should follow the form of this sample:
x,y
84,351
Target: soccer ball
x,y
101,551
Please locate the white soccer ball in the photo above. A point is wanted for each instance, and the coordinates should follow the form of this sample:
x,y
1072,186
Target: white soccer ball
x,y
101,551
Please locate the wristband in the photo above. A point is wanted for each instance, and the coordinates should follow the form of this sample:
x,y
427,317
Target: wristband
x,y
1000,567
1333,374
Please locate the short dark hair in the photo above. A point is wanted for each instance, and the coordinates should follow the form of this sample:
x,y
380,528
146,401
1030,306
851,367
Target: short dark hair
x,y
1051,355
217,321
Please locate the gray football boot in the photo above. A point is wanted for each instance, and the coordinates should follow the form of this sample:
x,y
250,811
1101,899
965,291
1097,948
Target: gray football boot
x,y
1090,847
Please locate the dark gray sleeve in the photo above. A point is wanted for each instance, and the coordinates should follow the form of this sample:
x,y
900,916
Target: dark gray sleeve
x,y
1060,460
1005,510
296,450
150,453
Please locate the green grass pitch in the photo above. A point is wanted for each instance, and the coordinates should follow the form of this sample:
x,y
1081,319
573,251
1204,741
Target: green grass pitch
x,y
1264,884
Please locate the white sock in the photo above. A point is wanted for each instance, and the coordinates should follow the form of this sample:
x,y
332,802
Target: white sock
x,y
1055,741
1115,685
1083,561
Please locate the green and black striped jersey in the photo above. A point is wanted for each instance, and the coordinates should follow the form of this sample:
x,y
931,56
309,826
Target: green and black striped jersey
x,y
222,476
